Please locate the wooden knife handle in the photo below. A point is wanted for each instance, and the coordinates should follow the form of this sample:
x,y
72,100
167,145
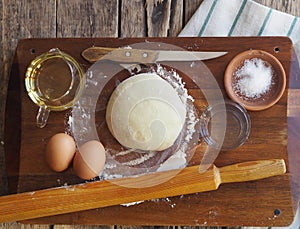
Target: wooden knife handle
x,y
92,195
123,55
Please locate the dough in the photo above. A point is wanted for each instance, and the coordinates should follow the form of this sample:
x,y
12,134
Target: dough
x,y
145,112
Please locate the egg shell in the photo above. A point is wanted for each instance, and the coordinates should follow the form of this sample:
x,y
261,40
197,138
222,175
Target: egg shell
x,y
60,151
89,160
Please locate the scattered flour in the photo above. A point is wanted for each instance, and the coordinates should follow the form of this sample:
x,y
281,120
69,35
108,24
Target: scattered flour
x,y
114,169
140,160
132,203
178,159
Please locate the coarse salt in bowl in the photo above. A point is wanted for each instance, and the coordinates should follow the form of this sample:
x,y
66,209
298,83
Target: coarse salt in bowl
x,y
256,79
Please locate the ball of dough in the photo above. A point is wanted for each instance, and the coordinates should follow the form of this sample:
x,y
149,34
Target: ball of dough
x,y
145,112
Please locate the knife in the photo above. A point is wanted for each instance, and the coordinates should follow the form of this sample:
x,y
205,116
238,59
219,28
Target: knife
x,y
104,193
129,55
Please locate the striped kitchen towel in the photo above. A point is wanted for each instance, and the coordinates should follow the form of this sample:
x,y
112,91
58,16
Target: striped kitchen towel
x,y
242,18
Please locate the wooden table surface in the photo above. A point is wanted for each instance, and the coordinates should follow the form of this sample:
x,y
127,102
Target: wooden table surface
x,y
88,18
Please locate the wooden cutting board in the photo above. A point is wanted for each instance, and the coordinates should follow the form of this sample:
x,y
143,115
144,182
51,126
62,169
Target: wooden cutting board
x,y
259,203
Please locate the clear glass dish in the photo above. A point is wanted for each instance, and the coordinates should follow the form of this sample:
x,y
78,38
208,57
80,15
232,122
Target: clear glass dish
x,y
237,125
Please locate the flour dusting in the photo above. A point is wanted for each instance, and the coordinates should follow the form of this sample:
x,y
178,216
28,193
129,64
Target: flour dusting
x,y
178,158
126,162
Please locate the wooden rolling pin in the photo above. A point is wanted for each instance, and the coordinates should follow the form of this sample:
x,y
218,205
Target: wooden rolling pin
x,y
104,193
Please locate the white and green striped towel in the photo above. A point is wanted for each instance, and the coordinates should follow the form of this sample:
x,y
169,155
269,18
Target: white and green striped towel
x,y
242,18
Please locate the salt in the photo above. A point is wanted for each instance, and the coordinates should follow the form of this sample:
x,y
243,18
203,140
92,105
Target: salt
x,y
254,78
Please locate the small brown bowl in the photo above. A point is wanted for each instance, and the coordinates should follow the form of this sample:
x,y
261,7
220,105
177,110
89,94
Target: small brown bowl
x,y
267,99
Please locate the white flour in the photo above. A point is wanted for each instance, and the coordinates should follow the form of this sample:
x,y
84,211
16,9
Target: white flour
x,y
178,159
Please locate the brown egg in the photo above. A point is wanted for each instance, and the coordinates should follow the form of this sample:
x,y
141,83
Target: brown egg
x,y
60,151
89,160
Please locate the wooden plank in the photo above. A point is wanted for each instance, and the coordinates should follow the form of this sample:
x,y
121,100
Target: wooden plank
x,y
158,17
33,226
87,18
176,18
190,8
25,19
288,6
3,91
82,227
15,225
36,173
164,18
291,7
132,13
33,18
21,19
165,184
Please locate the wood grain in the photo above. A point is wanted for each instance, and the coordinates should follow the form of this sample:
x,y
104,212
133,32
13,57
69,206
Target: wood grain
x,y
291,7
36,175
14,14
176,18
133,13
158,17
15,225
3,92
82,227
164,18
87,18
190,8
94,53
21,19
100,194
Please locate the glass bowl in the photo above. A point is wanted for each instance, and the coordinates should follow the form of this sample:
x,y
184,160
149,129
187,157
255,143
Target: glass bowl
x,y
237,125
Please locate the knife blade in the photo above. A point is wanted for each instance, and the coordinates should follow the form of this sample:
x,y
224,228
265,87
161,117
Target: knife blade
x,y
129,55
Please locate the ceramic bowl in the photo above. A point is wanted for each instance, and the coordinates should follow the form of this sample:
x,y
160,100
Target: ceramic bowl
x,y
264,100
